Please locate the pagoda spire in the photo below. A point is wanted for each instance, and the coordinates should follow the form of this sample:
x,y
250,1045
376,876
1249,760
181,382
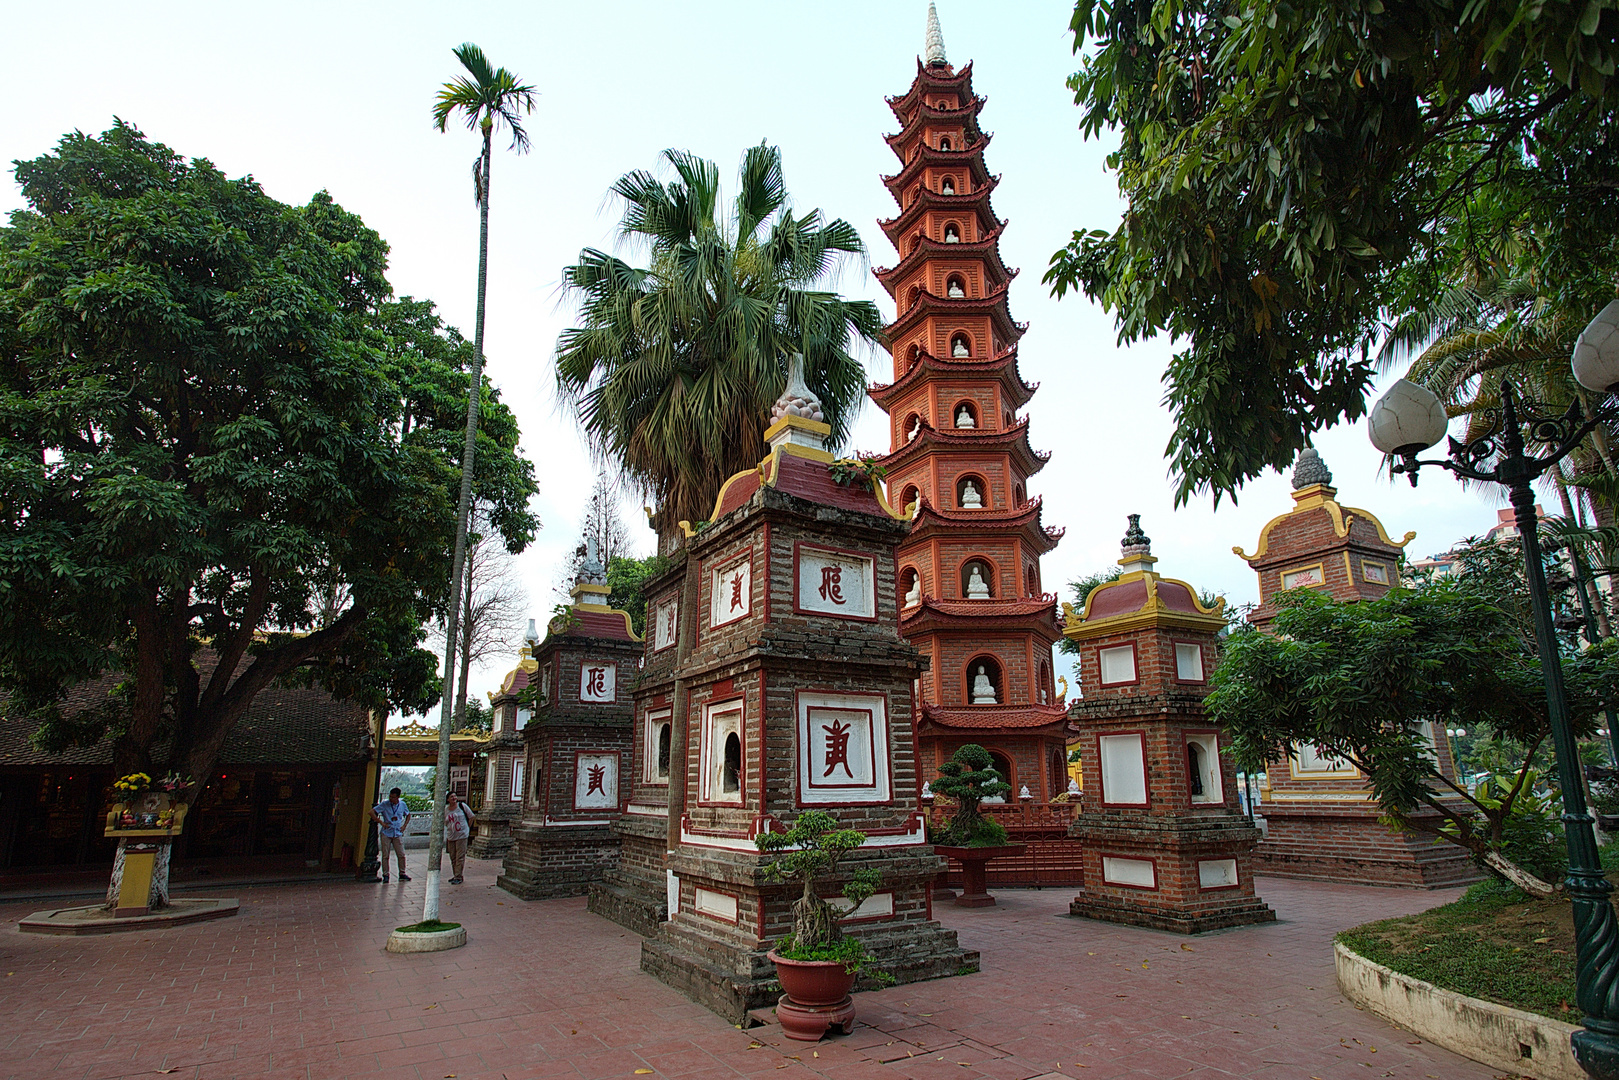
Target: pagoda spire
x,y
933,46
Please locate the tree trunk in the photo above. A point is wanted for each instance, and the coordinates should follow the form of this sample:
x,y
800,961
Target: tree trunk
x,y
158,898
815,923
468,631
1516,874
435,844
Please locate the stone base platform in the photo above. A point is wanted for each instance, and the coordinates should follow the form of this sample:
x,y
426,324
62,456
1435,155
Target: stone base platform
x,y
1180,922
553,861
689,963
1349,845
97,919
628,902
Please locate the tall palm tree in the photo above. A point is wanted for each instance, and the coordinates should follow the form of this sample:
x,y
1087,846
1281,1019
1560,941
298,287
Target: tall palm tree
x,y
674,366
489,98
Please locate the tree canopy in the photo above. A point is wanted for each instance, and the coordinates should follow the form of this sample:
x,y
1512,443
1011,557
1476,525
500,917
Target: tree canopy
x,y
674,366
1300,176
223,453
1361,680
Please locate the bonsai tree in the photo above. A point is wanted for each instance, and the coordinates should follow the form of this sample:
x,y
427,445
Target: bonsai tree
x,y
812,849
970,777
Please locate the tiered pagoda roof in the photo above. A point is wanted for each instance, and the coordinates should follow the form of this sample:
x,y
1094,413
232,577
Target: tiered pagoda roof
x,y
1013,440
926,368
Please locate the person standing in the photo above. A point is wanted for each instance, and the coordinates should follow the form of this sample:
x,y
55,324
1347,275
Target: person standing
x,y
458,822
394,818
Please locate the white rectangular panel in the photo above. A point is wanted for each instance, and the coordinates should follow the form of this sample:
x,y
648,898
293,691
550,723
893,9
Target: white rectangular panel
x,y
1124,770
1217,873
1138,872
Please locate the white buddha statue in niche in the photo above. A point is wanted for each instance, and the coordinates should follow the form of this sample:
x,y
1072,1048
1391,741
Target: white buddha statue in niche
x,y
983,690
977,587
916,426
954,290
951,236
948,187
964,417
970,497
913,595
959,348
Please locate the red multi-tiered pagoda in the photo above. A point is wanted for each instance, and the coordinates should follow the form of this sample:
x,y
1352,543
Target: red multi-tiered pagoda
x,y
970,569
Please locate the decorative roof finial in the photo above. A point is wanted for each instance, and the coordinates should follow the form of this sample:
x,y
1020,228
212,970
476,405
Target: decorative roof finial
x,y
797,417
590,569
1309,469
532,636
933,47
1135,541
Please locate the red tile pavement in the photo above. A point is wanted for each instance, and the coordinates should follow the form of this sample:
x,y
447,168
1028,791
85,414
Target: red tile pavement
x,y
298,986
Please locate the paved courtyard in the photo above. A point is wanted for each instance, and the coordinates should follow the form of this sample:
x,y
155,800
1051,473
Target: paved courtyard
x,y
298,986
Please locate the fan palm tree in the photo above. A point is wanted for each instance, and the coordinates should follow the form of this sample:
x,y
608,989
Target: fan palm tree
x,y
489,98
674,366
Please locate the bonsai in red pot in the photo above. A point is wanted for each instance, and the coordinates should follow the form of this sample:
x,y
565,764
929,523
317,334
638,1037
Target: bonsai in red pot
x,y
972,839
817,963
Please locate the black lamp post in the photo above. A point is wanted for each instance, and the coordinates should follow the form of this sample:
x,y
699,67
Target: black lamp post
x,y
1408,420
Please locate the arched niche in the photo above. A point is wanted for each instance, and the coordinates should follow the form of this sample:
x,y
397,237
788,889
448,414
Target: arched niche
x,y
731,767
982,680
909,496
973,497
662,768
944,142
961,345
983,588
913,296
1002,763
952,233
955,287
947,186
1031,579
913,427
910,586
1019,497
964,414
1048,689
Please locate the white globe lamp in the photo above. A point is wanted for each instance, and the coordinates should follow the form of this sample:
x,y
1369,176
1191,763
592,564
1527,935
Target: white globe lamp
x,y
1408,419
1596,352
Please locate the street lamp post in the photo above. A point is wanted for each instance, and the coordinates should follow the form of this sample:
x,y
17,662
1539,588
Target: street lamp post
x,y
1408,420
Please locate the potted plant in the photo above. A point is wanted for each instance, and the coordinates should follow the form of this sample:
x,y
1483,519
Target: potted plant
x,y
817,963
972,839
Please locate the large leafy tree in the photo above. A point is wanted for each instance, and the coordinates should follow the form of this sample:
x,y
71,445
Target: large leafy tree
x,y
674,366
1359,680
208,481
1298,174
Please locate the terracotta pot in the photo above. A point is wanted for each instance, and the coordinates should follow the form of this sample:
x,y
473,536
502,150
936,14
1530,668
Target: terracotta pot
x,y
814,984
974,890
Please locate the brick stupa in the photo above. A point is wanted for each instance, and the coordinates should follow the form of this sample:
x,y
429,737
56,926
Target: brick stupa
x,y
1166,842
1321,821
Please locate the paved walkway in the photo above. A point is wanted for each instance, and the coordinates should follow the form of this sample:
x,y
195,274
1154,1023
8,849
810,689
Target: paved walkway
x,y
298,986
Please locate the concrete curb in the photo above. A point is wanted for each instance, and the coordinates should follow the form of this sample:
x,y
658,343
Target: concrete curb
x,y
433,941
95,919
1519,1042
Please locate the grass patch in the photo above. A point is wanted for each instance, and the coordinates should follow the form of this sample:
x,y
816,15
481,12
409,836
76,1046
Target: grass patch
x,y
431,926
1497,943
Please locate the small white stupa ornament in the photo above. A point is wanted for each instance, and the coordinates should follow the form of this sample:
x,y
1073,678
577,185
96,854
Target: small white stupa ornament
x,y
933,44
797,402
927,790
1073,786
1023,793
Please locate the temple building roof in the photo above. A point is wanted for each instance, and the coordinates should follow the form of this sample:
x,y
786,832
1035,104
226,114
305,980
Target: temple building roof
x,y
1141,596
929,368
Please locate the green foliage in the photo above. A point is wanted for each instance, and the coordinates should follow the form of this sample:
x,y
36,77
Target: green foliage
x,y
1297,172
812,849
418,804
1359,679
626,577
1080,589
862,471
478,716
674,367
213,428
969,777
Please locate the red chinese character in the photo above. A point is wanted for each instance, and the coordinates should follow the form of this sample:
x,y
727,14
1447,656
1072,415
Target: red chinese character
x,y
597,685
669,624
832,584
598,776
736,591
837,747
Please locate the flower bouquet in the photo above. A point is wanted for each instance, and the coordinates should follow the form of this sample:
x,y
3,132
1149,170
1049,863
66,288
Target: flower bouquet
x,y
134,784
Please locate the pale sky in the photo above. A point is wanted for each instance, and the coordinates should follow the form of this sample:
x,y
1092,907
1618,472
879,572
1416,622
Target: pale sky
x,y
308,96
